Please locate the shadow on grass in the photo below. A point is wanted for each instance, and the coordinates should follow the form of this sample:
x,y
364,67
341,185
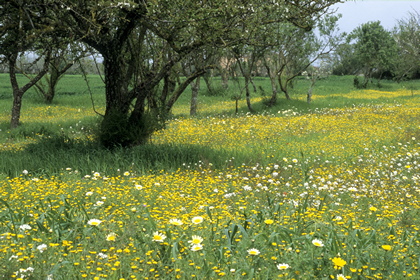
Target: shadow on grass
x,y
52,155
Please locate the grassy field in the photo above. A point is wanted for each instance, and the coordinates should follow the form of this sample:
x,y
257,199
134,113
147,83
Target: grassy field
x,y
327,190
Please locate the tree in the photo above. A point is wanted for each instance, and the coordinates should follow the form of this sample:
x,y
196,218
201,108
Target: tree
x,y
20,31
61,60
298,50
374,49
122,32
407,36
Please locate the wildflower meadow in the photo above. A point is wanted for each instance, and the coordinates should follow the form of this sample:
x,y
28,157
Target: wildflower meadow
x,y
329,190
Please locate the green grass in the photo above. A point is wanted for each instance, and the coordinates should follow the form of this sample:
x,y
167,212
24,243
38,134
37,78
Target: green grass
x,y
297,191
48,141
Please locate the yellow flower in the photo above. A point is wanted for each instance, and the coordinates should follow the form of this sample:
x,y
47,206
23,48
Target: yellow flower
x,y
373,208
158,237
111,237
338,262
386,247
269,221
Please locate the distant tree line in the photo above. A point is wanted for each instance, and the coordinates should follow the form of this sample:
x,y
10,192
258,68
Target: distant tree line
x,y
373,52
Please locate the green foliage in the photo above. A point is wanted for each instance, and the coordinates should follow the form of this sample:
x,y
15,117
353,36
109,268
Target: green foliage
x,y
375,50
407,35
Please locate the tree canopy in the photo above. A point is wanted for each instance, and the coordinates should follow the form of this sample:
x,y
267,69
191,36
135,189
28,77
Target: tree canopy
x,y
142,43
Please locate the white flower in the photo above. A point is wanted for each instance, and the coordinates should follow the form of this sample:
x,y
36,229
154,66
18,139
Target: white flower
x,y
25,172
102,256
247,188
94,222
138,187
283,266
195,239
99,203
196,247
341,277
318,243
89,193
253,252
158,237
42,247
197,220
25,227
176,222
13,257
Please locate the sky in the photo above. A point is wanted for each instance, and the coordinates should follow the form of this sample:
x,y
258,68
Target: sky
x,y
357,12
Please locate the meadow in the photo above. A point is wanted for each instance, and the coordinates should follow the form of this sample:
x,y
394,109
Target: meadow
x,y
327,190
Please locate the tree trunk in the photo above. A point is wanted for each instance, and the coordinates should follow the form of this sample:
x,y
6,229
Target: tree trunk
x,y
52,83
248,93
55,75
195,87
283,87
309,95
273,99
225,78
17,105
115,126
19,92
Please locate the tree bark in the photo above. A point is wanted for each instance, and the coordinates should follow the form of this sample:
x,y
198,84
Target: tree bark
x,y
273,99
283,87
248,93
114,126
195,87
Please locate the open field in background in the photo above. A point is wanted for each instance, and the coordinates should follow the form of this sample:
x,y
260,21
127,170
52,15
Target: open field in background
x,y
327,190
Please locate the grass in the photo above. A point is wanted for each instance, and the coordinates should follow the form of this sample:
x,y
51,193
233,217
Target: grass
x,y
327,190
